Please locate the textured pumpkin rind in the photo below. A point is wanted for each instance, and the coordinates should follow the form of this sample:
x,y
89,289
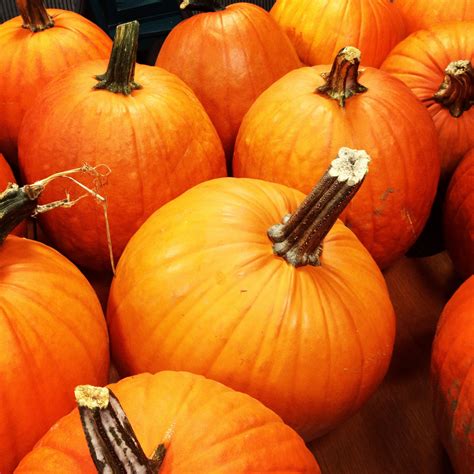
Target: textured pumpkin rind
x,y
209,296
157,142
244,52
419,61
319,29
56,336
30,60
206,427
291,133
459,217
419,15
453,380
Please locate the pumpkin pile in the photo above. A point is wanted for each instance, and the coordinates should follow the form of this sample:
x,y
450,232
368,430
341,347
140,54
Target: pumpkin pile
x,y
252,187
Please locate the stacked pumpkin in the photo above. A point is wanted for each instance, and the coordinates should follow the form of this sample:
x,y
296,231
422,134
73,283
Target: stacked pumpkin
x,y
242,280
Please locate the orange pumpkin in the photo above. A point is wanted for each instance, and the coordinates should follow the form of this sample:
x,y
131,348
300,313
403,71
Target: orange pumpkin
x,y
200,287
419,14
35,48
436,64
459,216
320,28
204,426
53,336
244,52
302,119
453,378
151,131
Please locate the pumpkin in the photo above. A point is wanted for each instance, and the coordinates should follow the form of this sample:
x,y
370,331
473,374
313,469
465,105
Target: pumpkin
x,y
200,287
419,14
150,130
302,119
198,425
6,177
55,332
318,29
245,52
36,46
458,216
453,379
436,64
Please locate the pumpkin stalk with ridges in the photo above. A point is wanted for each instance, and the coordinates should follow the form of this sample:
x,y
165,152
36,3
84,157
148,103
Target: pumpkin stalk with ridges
x,y
112,443
456,92
341,82
34,15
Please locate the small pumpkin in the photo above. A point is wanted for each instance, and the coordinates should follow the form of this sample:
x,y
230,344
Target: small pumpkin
x,y
142,122
458,216
320,28
437,65
453,378
298,122
189,423
36,47
201,287
52,332
228,56
420,15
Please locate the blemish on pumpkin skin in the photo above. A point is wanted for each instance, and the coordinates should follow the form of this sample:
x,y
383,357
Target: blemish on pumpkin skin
x,y
386,193
406,212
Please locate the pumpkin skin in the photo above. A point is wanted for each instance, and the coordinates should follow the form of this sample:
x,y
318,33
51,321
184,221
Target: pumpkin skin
x,y
148,140
318,29
290,132
198,288
6,176
419,14
419,61
458,217
245,52
452,377
30,60
206,426
55,332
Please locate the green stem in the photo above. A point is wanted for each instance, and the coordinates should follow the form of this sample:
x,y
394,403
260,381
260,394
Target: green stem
x,y
34,15
456,92
113,444
202,5
299,238
120,74
341,81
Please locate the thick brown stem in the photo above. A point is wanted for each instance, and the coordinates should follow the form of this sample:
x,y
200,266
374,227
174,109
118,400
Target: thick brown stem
x,y
113,444
34,14
341,81
299,238
456,92
201,5
120,74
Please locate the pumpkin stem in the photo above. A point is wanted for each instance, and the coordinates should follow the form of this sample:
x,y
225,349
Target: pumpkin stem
x,y
341,81
456,92
34,14
202,5
113,444
299,238
120,74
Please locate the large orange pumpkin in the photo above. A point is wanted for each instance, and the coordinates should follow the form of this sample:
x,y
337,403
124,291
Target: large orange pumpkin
x,y
203,425
35,48
200,287
436,64
53,337
228,57
420,14
320,28
453,377
294,127
459,216
151,131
